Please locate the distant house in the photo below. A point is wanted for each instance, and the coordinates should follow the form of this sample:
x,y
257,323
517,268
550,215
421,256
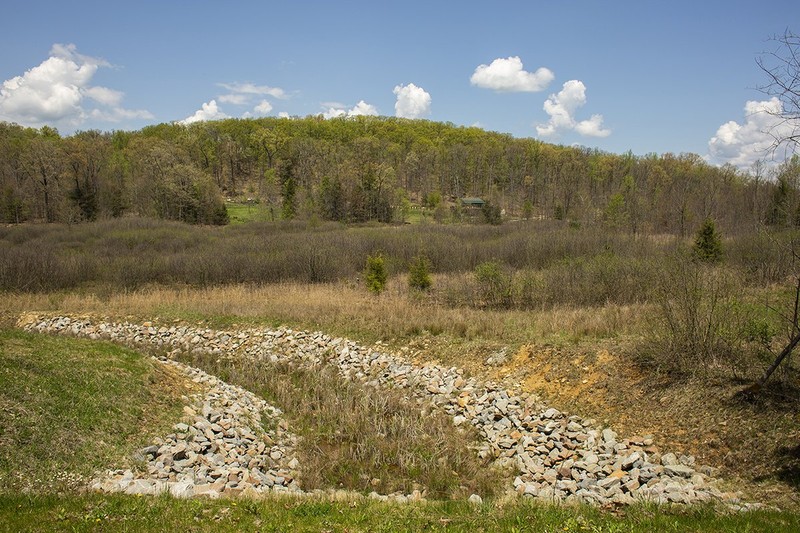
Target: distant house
x,y
471,208
472,203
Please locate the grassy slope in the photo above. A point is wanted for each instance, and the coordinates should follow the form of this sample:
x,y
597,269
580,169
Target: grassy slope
x,y
71,407
118,513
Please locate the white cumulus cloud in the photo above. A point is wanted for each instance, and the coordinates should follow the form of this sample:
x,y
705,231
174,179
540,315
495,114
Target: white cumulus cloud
x,y
250,94
105,96
208,111
363,108
335,109
508,75
58,91
562,107
263,107
742,144
412,101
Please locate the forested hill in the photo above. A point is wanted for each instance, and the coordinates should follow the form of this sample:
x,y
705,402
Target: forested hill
x,y
370,168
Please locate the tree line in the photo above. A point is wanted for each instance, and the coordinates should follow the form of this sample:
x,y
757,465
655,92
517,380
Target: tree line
x,y
366,168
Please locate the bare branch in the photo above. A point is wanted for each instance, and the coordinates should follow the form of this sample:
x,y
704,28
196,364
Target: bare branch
x,y
782,68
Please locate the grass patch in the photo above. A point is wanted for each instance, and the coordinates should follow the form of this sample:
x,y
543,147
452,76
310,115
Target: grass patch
x,y
358,438
72,407
119,512
242,213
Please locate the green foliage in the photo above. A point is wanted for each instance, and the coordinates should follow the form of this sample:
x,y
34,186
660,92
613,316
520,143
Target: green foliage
x,y
433,199
527,210
332,202
375,274
402,204
11,206
491,214
441,214
86,200
494,284
707,243
365,160
289,205
614,215
419,277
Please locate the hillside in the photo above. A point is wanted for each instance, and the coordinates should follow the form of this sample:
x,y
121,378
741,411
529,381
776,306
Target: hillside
x,y
371,168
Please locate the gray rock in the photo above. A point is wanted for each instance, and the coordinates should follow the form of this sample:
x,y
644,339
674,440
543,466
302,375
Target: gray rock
x,y
679,470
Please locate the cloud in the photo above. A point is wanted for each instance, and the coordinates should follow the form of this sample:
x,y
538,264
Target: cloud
x,y
283,114
263,107
333,112
363,108
235,99
58,91
104,95
412,101
507,75
248,94
244,93
336,109
208,111
562,107
743,144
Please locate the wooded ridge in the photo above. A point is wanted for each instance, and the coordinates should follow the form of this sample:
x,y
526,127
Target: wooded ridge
x,y
365,168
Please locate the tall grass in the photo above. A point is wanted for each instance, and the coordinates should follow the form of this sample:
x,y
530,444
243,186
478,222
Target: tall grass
x,y
354,438
345,309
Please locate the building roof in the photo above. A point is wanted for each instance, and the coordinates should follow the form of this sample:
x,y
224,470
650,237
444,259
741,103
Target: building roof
x,y
472,201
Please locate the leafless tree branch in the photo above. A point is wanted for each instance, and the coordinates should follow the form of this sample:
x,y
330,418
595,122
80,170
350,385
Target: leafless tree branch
x,y
782,68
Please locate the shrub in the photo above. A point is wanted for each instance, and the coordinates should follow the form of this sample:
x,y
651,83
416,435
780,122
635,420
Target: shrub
x,y
419,274
494,284
700,322
375,274
707,243
492,214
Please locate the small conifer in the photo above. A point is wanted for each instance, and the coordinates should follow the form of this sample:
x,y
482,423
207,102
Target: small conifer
x,y
375,274
707,243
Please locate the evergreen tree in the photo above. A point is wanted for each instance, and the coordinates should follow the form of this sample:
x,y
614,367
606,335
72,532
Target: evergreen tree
x,y
375,274
707,243
289,208
418,274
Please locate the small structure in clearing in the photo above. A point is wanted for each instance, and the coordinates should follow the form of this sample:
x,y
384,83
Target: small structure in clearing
x,y
472,203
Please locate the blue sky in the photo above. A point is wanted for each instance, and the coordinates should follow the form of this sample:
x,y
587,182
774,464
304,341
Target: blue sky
x,y
641,75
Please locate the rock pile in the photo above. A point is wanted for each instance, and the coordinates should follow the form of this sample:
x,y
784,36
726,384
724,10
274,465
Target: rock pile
x,y
230,443
557,457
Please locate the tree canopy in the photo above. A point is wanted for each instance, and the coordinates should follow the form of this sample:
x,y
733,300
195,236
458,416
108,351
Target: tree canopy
x,y
363,168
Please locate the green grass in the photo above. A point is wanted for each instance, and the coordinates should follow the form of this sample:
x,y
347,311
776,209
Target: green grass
x,y
72,407
240,213
128,513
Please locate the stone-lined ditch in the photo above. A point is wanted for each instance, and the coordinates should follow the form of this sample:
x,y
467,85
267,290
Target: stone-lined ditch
x,y
557,457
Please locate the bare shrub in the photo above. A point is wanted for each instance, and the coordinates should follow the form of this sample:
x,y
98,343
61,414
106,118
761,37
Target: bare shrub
x,y
700,321
494,285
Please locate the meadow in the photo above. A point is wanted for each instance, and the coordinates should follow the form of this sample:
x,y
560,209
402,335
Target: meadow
x,y
630,329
